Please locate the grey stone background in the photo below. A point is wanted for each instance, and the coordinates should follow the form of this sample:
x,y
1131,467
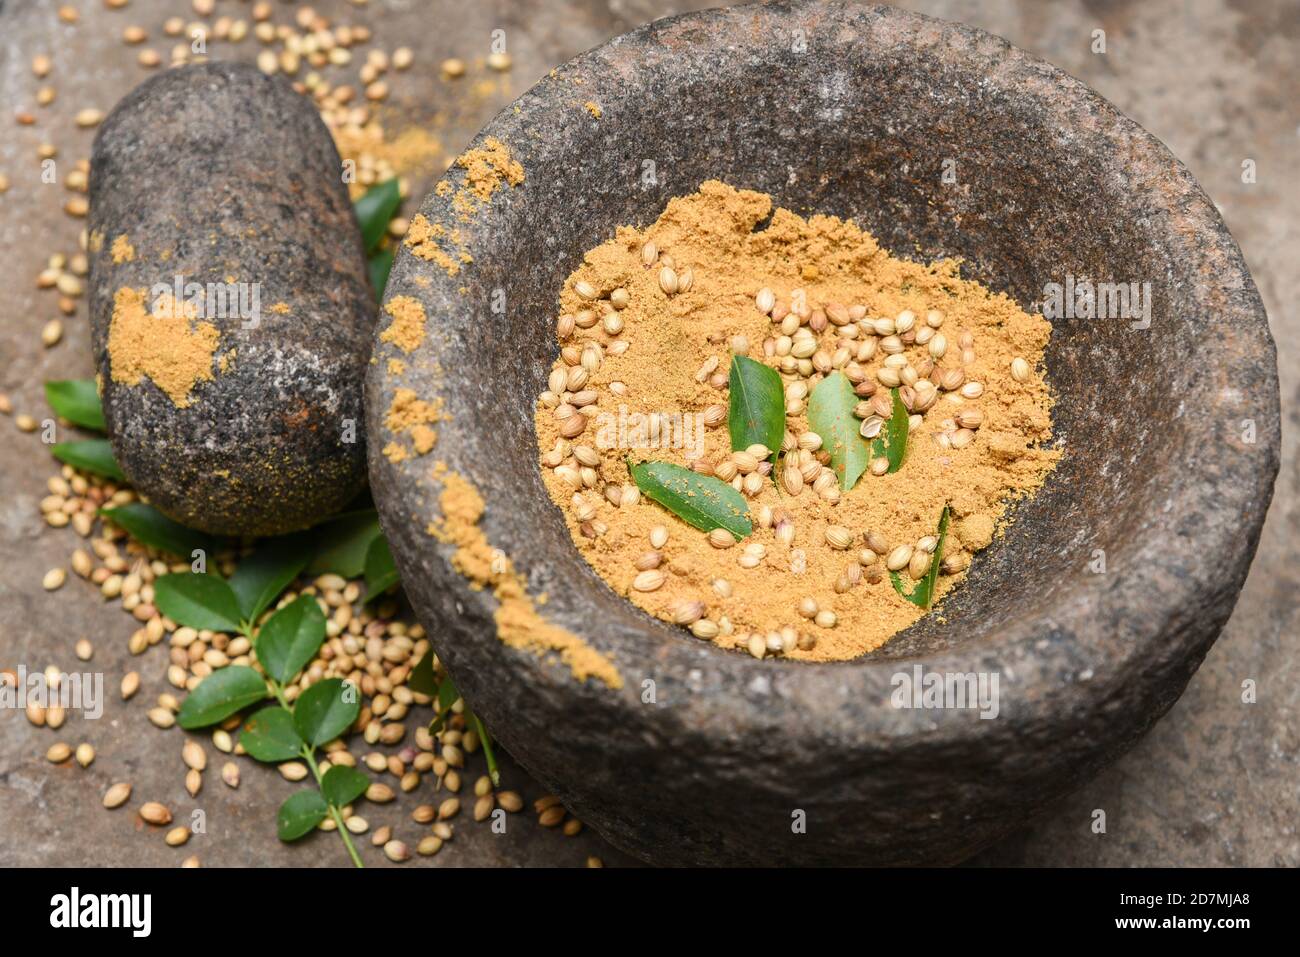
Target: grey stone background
x,y
1217,782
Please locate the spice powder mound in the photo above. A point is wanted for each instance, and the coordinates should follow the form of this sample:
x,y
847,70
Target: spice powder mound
x,y
648,325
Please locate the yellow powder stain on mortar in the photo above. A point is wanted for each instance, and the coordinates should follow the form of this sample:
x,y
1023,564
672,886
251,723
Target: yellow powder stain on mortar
x,y
279,308
122,251
407,328
487,169
427,240
593,108
396,367
167,346
409,414
518,622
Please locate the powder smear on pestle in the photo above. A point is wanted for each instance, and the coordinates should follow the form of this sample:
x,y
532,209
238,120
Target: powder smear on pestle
x,y
518,622
167,345
122,251
677,353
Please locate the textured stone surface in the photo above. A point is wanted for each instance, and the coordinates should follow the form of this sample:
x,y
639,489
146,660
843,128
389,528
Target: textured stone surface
x,y
1214,782
1051,181
218,174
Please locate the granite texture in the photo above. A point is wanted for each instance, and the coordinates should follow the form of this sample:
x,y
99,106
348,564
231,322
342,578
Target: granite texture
x,y
1214,783
857,111
225,181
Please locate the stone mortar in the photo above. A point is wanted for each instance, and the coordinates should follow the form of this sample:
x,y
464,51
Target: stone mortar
x,y
1157,471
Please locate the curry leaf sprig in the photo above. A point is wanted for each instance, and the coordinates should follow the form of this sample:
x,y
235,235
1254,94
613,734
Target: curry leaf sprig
x,y
349,544
831,415
756,405
922,593
703,501
893,443
284,644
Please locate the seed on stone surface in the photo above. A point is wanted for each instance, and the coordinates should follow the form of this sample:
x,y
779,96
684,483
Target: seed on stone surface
x,y
130,684
230,774
54,579
397,852
153,812
161,717
58,753
193,755
379,793
429,845
117,795
177,836
85,754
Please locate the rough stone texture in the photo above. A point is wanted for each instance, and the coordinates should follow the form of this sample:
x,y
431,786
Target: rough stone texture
x,y
219,174
1052,181
1214,782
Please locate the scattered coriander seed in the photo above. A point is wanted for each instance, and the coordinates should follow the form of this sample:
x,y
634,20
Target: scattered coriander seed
x,y
58,753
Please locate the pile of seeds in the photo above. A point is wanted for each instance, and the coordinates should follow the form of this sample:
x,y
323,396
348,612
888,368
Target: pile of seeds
x,y
371,646
653,327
